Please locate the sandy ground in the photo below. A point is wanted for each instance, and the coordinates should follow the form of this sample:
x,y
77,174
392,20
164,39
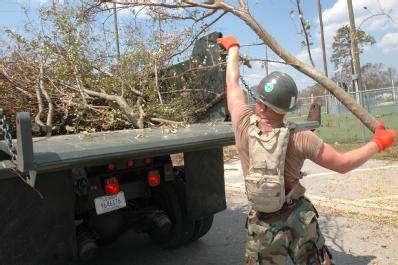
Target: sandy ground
x,y
359,210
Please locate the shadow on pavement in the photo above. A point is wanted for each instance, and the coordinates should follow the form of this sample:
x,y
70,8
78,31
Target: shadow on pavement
x,y
333,233
223,245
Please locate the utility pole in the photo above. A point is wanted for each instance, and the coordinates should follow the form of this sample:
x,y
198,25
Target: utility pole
x,y
355,50
266,60
116,32
325,65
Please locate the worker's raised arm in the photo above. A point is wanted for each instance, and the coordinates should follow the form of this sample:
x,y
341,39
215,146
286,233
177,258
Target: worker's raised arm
x,y
235,95
329,158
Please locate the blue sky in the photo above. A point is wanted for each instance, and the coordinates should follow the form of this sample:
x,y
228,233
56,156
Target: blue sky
x,y
274,16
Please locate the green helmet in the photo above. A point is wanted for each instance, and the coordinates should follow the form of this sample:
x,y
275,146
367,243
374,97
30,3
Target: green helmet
x,y
278,91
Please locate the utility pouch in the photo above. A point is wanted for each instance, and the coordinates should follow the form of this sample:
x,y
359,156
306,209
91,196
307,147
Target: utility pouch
x,y
265,185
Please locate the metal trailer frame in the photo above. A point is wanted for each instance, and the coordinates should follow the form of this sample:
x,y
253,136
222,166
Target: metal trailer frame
x,y
45,211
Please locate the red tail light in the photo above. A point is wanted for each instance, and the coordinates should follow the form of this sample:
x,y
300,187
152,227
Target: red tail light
x,y
130,163
111,186
153,178
148,161
111,167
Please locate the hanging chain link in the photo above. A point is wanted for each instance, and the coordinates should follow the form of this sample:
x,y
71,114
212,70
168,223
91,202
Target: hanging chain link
x,y
5,131
247,87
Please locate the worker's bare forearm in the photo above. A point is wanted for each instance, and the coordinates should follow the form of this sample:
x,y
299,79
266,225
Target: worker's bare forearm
x,y
357,157
233,67
343,163
235,95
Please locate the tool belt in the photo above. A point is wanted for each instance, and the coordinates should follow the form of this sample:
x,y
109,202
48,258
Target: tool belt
x,y
281,214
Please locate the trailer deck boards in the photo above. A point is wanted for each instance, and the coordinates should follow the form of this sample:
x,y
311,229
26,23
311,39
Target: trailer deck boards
x,y
67,151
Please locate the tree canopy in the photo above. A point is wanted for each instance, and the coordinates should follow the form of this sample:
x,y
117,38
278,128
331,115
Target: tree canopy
x,y
96,81
342,51
65,70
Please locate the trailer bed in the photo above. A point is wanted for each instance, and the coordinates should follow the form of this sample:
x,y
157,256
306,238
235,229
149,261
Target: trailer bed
x,y
68,151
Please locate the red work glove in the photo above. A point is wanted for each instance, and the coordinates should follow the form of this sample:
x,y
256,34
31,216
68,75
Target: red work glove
x,y
382,137
228,42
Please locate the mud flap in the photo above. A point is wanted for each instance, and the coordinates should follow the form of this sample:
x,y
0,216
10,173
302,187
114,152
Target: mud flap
x,y
34,229
205,188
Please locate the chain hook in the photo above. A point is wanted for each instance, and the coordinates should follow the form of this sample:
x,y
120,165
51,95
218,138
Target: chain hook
x,y
247,87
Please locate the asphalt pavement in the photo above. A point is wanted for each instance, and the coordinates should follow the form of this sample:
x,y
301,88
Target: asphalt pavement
x,y
359,210
344,201
351,242
371,189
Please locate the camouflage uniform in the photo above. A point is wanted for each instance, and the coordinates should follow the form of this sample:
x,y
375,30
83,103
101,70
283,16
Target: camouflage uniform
x,y
271,240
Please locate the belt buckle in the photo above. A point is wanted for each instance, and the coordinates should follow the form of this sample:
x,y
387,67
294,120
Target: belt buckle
x,y
289,202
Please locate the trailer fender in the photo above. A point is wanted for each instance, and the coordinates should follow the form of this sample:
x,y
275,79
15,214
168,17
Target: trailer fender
x,y
37,225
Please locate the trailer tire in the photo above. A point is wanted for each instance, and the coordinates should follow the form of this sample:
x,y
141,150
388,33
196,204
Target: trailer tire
x,y
189,224
202,226
207,223
181,231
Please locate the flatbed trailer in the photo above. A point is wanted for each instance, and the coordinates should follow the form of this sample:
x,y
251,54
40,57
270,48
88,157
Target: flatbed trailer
x,y
62,196
54,195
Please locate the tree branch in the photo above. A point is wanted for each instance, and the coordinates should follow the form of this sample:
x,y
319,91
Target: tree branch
x,y
7,78
79,84
49,121
120,101
140,120
313,73
127,4
197,36
160,120
37,119
216,100
304,28
188,90
200,67
132,89
376,15
191,17
243,5
270,61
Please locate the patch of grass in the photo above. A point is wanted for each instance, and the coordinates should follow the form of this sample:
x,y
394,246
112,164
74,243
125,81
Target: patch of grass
x,y
389,154
344,127
383,220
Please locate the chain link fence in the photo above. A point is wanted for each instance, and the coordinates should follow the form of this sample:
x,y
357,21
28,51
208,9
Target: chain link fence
x,y
369,99
340,125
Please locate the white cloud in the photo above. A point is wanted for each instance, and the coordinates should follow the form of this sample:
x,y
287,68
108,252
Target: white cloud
x,y
389,42
138,10
316,54
123,10
337,16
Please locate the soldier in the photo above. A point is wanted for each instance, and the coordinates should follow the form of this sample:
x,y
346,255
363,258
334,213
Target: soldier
x,y
282,222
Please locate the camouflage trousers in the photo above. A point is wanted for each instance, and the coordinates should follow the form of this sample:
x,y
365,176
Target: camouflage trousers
x,y
297,235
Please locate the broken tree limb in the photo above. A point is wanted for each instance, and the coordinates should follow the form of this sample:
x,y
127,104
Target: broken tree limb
x,y
37,119
121,102
160,120
49,120
368,120
141,111
4,76
216,100
243,13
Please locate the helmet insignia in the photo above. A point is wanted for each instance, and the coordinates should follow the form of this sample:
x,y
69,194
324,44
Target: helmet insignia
x,y
268,87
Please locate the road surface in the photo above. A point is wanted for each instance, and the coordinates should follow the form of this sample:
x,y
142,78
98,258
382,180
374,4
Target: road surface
x,y
358,213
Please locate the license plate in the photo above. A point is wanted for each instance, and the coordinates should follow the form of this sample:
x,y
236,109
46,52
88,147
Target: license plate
x,y
107,204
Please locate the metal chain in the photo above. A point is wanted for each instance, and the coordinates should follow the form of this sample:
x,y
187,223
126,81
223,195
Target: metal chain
x,y
5,131
247,87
